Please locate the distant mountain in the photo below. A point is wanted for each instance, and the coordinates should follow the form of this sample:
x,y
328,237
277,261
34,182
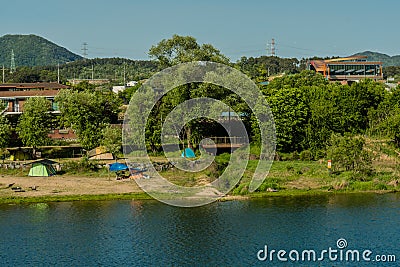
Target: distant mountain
x,y
32,50
386,60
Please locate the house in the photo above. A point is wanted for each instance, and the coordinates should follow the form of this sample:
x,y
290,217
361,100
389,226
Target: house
x,y
348,69
14,95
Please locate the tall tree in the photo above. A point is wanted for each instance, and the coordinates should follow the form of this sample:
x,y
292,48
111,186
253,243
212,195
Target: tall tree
x,y
112,140
180,49
35,122
88,113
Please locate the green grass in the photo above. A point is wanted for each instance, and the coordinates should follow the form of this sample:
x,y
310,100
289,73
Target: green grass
x,y
290,178
129,196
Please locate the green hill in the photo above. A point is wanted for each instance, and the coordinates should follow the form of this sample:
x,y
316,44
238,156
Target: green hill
x,y
386,59
33,50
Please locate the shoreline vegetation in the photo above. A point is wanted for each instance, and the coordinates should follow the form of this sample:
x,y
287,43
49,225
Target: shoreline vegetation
x,y
288,177
143,196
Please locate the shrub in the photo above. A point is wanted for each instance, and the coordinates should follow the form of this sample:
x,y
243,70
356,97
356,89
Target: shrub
x,y
347,153
78,166
305,155
241,189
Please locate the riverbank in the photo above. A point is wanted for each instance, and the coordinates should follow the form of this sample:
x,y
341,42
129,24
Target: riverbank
x,y
285,178
63,188
15,189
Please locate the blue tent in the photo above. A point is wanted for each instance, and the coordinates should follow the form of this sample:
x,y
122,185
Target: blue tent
x,y
114,167
188,153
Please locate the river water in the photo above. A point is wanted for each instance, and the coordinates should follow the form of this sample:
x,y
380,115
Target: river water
x,y
232,233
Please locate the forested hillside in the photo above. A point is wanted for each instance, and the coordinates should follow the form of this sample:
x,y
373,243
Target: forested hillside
x,y
32,50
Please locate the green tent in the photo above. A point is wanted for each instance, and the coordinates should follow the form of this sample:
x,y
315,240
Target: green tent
x,y
42,168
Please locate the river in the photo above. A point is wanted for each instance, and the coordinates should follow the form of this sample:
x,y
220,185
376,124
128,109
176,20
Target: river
x,y
232,233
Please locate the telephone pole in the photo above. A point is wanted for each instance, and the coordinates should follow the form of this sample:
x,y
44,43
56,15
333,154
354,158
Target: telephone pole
x,y
3,73
12,68
124,74
58,72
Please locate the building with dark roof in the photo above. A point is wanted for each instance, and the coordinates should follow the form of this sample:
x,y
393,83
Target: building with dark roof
x,y
14,95
348,69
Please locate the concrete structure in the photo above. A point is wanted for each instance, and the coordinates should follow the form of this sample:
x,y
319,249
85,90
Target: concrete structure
x,y
348,69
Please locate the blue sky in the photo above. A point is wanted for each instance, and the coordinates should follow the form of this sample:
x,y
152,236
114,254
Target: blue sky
x,y
126,28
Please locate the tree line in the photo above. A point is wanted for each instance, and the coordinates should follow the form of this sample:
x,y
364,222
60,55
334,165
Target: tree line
x,y
310,113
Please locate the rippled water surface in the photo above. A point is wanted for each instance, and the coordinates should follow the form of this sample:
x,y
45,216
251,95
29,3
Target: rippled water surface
x,y
148,233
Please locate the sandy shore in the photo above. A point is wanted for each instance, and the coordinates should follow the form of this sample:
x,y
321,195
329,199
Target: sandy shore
x,y
65,185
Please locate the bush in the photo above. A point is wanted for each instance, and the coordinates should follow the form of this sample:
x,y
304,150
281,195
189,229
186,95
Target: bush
x,y
241,189
79,166
272,183
347,153
305,155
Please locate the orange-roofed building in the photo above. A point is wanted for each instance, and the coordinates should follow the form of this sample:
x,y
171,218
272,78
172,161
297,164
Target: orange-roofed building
x,y
348,69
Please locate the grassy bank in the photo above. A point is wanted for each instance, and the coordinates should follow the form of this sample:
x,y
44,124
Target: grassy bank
x,y
286,178
65,198
144,196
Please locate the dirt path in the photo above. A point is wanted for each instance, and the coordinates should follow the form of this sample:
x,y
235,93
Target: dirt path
x,y
65,185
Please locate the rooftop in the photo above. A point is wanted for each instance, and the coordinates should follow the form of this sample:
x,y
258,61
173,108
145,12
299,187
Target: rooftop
x,y
39,85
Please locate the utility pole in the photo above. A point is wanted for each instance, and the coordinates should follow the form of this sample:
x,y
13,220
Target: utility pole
x,y
92,72
12,69
124,75
58,72
3,73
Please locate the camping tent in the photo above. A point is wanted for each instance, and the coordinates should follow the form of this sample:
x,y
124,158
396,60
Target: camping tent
x,y
188,153
42,167
114,167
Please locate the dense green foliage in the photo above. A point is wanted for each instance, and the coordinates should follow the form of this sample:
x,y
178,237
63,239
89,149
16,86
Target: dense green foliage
x,y
35,123
385,120
348,153
33,50
265,66
308,110
88,112
5,132
179,49
112,139
113,70
168,52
